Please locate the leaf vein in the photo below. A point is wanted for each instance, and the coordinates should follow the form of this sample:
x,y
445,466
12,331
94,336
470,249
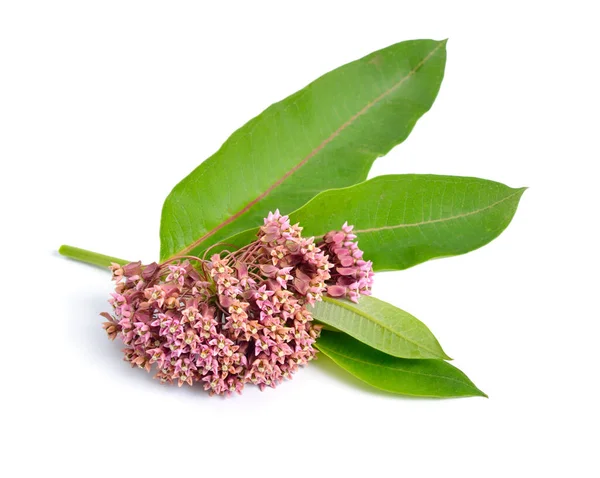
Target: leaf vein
x,y
439,220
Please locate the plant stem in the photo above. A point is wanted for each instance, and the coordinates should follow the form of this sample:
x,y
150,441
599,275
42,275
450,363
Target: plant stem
x,y
89,257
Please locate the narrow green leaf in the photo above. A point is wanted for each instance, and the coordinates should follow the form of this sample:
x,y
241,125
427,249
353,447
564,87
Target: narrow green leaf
x,y
326,135
403,220
421,378
380,325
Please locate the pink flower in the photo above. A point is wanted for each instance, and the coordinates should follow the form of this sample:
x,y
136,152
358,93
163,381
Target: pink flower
x,y
177,273
240,317
350,275
283,276
262,295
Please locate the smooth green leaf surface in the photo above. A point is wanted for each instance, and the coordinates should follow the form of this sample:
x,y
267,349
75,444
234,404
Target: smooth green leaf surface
x,y
380,325
326,135
403,220
421,378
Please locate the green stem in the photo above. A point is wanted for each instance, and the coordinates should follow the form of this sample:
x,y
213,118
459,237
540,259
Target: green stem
x,y
89,257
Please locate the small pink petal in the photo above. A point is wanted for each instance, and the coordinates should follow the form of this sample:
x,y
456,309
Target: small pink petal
x,y
336,290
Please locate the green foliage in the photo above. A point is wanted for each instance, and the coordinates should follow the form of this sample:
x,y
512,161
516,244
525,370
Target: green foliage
x,y
420,378
324,136
404,219
380,325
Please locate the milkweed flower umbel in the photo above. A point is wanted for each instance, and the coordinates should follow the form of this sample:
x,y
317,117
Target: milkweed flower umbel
x,y
351,275
239,317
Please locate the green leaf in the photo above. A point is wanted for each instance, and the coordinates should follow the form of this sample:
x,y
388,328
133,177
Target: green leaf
x,y
380,325
403,220
326,135
421,378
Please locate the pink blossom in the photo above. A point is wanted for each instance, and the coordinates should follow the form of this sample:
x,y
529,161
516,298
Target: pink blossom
x,y
351,276
241,317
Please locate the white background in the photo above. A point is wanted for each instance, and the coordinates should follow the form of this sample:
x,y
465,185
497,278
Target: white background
x,y
104,106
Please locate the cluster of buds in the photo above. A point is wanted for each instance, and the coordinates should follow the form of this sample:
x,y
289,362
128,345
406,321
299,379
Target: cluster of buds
x,y
351,274
239,317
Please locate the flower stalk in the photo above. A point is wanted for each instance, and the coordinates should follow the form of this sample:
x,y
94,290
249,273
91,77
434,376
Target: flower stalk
x,y
89,257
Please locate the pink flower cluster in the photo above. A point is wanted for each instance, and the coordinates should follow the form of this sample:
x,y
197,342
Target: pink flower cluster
x,y
240,317
351,275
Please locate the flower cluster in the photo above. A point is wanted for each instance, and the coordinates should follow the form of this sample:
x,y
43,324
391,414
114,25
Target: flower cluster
x,y
240,317
351,274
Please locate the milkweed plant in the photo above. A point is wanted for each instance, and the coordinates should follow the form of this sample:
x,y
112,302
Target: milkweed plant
x,y
254,281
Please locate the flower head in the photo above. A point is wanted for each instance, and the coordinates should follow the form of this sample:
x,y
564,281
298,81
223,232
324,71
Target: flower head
x,y
351,275
240,317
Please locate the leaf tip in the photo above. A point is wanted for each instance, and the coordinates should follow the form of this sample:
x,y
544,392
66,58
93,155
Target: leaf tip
x,y
520,191
477,392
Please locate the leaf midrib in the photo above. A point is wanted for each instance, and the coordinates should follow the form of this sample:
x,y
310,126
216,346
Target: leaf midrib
x,y
313,153
441,219
383,326
431,221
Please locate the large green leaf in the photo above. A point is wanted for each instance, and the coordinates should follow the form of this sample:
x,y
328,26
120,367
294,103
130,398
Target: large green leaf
x,y
326,135
403,220
421,378
380,325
